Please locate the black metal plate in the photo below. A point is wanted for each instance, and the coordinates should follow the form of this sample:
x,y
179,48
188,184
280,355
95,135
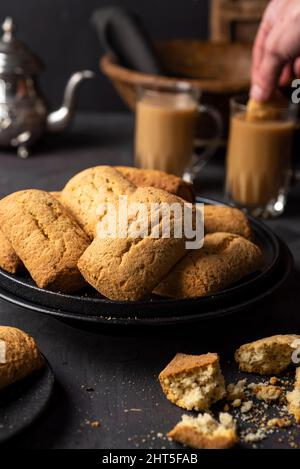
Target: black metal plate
x,y
181,312
24,401
88,306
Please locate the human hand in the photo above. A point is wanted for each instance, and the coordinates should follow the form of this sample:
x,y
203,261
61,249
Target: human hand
x,y
276,51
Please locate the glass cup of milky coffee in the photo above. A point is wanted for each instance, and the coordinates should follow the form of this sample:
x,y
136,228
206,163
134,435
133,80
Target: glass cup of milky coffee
x,y
259,156
165,132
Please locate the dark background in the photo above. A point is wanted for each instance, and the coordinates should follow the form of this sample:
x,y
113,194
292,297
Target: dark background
x,y
59,31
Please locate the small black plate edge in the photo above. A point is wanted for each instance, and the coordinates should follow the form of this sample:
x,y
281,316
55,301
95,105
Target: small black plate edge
x,y
51,379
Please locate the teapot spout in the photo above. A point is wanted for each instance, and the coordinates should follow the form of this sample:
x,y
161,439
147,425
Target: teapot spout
x,y
59,120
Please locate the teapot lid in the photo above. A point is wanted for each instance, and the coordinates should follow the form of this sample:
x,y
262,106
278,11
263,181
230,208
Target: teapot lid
x,y
15,56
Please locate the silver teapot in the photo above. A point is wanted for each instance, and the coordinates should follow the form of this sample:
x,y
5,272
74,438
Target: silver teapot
x,y
24,116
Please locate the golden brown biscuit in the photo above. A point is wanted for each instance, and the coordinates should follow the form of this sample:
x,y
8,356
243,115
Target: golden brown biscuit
x,y
268,111
270,355
129,268
226,219
9,261
45,238
193,382
224,259
204,432
57,195
86,191
159,179
19,355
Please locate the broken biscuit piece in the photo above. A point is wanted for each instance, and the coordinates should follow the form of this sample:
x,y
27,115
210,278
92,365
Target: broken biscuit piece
x,y
205,432
267,392
193,382
270,355
293,398
236,391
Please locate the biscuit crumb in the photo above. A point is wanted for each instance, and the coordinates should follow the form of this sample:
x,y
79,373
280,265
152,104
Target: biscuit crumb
x,y
253,437
95,424
236,403
132,410
267,392
205,432
280,423
246,406
236,391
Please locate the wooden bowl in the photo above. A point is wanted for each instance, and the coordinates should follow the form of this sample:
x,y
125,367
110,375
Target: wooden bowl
x,y
218,70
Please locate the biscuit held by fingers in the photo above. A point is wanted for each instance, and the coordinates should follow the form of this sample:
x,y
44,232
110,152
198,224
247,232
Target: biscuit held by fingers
x,y
268,111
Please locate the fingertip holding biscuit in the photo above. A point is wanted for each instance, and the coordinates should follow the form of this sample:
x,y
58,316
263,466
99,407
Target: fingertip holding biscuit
x,y
268,111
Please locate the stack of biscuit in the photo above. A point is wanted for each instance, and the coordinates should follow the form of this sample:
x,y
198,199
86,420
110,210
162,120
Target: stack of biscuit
x,y
54,236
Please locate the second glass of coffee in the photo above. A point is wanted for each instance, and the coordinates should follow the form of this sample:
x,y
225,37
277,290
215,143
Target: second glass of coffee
x,y
259,160
166,122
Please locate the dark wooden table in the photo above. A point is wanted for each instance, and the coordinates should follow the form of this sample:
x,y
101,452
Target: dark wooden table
x,y
113,379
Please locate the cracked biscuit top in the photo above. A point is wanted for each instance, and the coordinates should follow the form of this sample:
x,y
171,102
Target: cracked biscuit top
x,y
86,191
224,259
129,268
45,238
